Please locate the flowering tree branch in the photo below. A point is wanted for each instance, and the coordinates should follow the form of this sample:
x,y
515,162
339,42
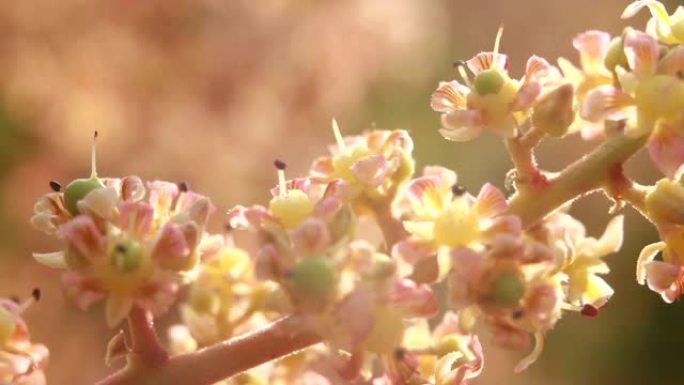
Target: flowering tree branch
x,y
213,363
593,171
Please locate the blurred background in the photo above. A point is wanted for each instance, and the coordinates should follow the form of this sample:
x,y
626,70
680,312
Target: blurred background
x,y
211,91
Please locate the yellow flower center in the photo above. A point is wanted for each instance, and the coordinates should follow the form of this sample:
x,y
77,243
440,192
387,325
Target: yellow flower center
x,y
292,207
457,225
660,96
343,162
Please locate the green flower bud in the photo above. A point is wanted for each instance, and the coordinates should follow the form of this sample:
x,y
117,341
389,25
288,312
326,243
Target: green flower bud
x,y
489,82
615,55
77,190
313,278
507,289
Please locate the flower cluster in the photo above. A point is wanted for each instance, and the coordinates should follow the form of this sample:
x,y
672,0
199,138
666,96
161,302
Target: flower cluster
x,y
513,264
120,245
21,361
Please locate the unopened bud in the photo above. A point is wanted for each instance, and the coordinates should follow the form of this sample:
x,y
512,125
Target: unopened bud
x,y
615,55
665,203
554,113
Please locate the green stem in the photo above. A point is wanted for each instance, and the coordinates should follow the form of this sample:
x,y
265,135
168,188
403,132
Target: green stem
x,y
587,174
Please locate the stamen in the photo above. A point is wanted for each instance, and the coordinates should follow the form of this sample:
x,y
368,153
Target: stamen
x,y
464,75
569,307
497,42
282,183
458,190
93,157
55,186
338,136
183,186
35,297
518,314
534,354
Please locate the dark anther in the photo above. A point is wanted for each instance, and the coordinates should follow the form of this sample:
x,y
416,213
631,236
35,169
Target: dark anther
x,y
589,311
95,134
279,164
518,314
14,299
120,248
458,190
227,227
399,353
55,186
183,186
36,294
459,63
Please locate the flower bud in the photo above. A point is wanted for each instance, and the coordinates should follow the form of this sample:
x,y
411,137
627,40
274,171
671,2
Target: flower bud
x,y
507,289
665,203
77,190
615,55
313,278
554,113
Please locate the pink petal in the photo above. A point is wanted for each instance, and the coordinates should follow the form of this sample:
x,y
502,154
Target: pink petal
x,y
136,217
661,275
398,139
85,291
485,60
310,236
413,250
666,148
416,300
641,50
526,96
370,170
82,234
100,202
461,125
468,267
162,195
490,201
591,46
449,96
171,245
605,102
156,297
673,63
132,188
322,167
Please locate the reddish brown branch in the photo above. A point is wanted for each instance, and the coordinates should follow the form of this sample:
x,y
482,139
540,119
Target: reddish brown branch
x,y
219,361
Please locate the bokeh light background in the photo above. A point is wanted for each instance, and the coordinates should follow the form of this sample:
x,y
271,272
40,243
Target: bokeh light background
x,y
211,91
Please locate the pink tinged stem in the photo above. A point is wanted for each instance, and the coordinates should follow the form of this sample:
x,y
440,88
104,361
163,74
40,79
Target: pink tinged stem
x,y
392,228
221,360
587,174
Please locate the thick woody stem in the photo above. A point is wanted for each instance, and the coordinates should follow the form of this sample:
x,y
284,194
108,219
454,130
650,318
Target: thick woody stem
x,y
589,173
222,360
